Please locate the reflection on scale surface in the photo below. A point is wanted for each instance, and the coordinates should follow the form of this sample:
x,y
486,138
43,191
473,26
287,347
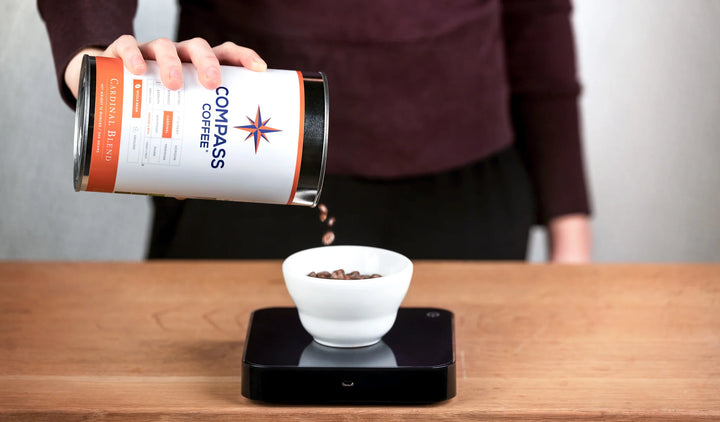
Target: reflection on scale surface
x,y
378,355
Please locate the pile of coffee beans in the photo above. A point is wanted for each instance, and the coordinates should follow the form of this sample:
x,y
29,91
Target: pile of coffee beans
x,y
329,237
341,275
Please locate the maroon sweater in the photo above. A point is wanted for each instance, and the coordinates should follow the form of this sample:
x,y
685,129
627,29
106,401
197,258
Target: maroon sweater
x,y
416,86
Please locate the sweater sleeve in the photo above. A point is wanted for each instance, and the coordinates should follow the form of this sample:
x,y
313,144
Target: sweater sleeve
x,y
76,24
544,93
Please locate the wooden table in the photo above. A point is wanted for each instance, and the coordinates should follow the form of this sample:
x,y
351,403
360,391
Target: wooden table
x,y
163,341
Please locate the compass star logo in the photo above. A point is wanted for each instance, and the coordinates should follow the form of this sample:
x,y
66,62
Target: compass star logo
x,y
257,128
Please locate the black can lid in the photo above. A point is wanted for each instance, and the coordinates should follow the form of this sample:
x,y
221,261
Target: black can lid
x,y
315,140
84,118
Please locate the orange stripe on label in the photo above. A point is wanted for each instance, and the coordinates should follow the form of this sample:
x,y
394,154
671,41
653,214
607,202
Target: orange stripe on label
x,y
167,124
137,98
301,130
107,124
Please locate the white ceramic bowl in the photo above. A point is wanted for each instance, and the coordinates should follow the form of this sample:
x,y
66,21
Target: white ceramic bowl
x,y
347,313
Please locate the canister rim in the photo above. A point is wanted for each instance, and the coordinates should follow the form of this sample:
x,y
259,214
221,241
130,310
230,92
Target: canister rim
x,y
315,139
84,116
325,140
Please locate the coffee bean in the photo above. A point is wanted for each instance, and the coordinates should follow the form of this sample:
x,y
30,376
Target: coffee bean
x,y
328,238
323,212
340,274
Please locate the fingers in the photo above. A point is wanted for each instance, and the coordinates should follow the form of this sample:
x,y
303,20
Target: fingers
x,y
233,54
165,53
169,56
126,48
202,56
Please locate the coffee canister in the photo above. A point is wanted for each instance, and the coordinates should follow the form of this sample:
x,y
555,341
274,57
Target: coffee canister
x,y
259,137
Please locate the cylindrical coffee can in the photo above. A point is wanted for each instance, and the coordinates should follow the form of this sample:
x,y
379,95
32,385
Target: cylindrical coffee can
x,y
259,137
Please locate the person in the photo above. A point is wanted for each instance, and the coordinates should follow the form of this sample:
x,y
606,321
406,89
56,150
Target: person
x,y
454,127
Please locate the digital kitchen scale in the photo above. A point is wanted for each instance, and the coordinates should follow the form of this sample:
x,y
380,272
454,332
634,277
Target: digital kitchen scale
x,y
413,363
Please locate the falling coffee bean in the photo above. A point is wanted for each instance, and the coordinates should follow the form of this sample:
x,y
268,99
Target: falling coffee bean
x,y
328,238
323,212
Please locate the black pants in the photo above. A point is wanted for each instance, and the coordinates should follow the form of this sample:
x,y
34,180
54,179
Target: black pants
x,y
482,211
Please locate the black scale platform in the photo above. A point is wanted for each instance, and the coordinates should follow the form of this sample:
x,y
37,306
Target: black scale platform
x,y
413,363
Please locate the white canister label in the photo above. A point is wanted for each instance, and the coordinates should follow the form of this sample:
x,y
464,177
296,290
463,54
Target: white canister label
x,y
242,141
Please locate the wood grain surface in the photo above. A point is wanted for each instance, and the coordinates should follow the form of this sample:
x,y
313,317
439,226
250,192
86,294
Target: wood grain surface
x,y
163,341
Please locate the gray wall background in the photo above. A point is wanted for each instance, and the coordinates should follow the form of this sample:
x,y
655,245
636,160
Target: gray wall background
x,y
651,123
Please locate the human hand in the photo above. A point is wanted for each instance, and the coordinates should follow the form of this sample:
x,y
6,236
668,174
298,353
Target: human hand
x,y
169,55
570,239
